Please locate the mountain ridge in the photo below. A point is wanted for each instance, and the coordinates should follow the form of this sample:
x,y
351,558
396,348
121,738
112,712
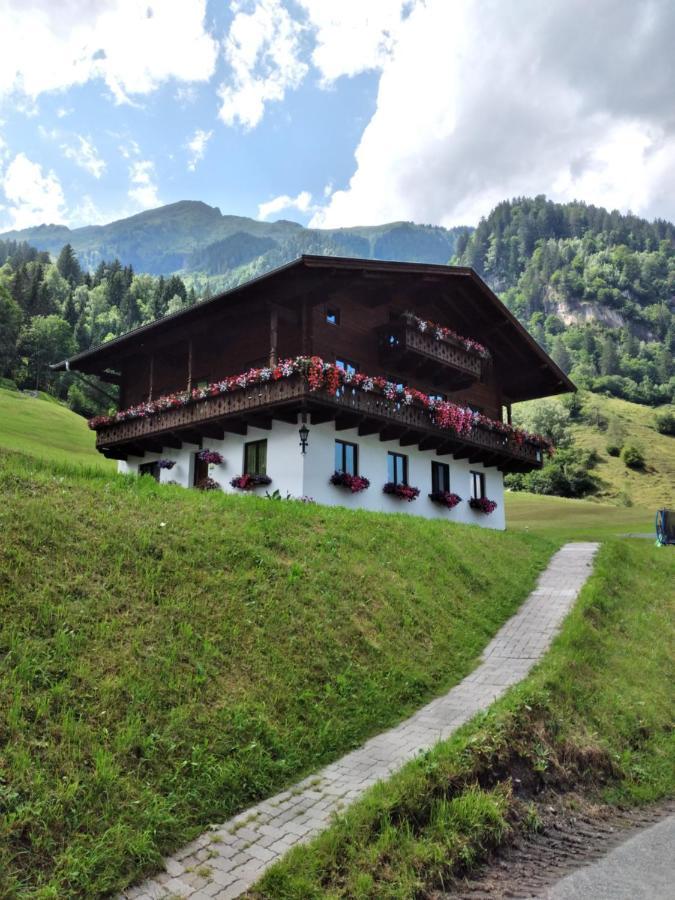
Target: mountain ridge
x,y
183,237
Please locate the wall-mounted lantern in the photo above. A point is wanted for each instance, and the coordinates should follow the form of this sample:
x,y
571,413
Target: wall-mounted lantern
x,y
304,437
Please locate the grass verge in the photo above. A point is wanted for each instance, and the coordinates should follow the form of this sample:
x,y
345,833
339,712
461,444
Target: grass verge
x,y
596,715
169,657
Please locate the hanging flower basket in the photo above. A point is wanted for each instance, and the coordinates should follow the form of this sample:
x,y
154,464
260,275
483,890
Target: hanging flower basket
x,y
212,457
207,484
402,491
482,504
248,482
354,483
166,463
445,498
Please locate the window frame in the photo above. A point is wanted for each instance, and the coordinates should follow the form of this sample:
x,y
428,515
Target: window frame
x,y
257,468
394,456
477,478
343,445
442,484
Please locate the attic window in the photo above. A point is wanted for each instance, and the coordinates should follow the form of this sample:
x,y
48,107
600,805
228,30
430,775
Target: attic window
x,y
333,315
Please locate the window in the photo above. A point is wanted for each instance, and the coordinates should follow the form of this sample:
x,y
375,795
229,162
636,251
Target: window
x,y
346,458
255,458
333,315
440,477
397,468
348,365
477,485
396,379
438,397
150,468
201,470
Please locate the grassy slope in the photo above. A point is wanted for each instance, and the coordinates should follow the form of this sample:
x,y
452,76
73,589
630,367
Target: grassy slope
x,y
651,489
168,657
44,428
597,712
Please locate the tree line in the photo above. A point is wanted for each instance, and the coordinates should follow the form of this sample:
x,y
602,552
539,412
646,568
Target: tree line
x,y
50,311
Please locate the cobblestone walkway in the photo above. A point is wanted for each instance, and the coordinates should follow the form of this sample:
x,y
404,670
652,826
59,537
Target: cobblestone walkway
x,y
227,860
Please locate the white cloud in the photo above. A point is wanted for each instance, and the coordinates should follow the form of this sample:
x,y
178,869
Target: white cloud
x,y
129,149
197,147
132,45
479,100
85,155
352,36
33,198
262,48
143,190
303,203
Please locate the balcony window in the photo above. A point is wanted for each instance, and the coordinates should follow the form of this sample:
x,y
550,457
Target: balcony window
x,y
255,458
397,468
348,365
346,458
477,485
333,315
440,478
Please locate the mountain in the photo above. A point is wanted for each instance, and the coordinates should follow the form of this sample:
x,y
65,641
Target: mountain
x,y
193,237
595,288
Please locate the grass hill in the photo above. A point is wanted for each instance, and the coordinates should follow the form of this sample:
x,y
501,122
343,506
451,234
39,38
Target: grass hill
x,y
44,428
168,657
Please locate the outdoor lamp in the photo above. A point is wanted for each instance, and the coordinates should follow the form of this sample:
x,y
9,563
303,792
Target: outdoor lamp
x,y
304,435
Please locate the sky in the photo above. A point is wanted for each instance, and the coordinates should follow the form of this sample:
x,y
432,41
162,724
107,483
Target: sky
x,y
333,112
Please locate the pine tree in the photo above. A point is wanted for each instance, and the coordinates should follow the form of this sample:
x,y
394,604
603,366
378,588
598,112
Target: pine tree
x,y
68,266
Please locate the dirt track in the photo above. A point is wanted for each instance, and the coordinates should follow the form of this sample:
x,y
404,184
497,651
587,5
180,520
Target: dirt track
x,y
573,834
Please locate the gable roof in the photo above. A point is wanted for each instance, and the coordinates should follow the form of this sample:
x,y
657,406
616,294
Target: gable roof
x,y
524,369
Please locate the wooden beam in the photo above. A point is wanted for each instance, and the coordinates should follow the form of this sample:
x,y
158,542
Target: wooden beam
x,y
368,427
391,432
151,376
257,421
189,373
409,438
189,436
112,453
213,431
344,422
235,426
274,336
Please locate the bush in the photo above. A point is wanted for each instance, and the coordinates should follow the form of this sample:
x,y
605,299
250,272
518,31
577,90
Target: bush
x,y
613,450
665,422
633,457
567,474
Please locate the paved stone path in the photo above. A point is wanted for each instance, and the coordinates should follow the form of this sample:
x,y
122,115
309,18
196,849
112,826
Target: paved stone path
x,y
227,860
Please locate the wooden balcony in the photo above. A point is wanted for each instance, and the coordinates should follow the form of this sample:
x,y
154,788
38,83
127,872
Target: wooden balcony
x,y
404,346
259,405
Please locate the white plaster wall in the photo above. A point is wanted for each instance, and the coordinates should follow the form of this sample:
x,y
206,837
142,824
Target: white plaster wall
x,y
319,462
308,475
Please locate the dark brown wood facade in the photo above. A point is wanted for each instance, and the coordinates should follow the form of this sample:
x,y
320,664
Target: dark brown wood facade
x,y
337,309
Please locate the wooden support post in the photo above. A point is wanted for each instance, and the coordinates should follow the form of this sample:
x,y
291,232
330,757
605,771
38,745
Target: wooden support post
x,y
189,380
274,335
508,413
151,376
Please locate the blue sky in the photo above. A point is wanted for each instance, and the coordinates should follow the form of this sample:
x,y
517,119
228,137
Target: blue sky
x,y
356,112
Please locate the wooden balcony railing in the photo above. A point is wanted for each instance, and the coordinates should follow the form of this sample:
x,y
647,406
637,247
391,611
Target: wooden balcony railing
x,y
401,339
370,412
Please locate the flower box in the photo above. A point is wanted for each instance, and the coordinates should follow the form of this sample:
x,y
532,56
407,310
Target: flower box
x,y
482,504
248,482
402,491
445,498
166,463
354,483
212,457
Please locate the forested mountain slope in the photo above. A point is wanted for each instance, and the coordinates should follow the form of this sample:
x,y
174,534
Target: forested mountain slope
x,y
595,288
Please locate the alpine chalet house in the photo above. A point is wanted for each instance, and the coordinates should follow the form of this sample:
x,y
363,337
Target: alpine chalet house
x,y
376,385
